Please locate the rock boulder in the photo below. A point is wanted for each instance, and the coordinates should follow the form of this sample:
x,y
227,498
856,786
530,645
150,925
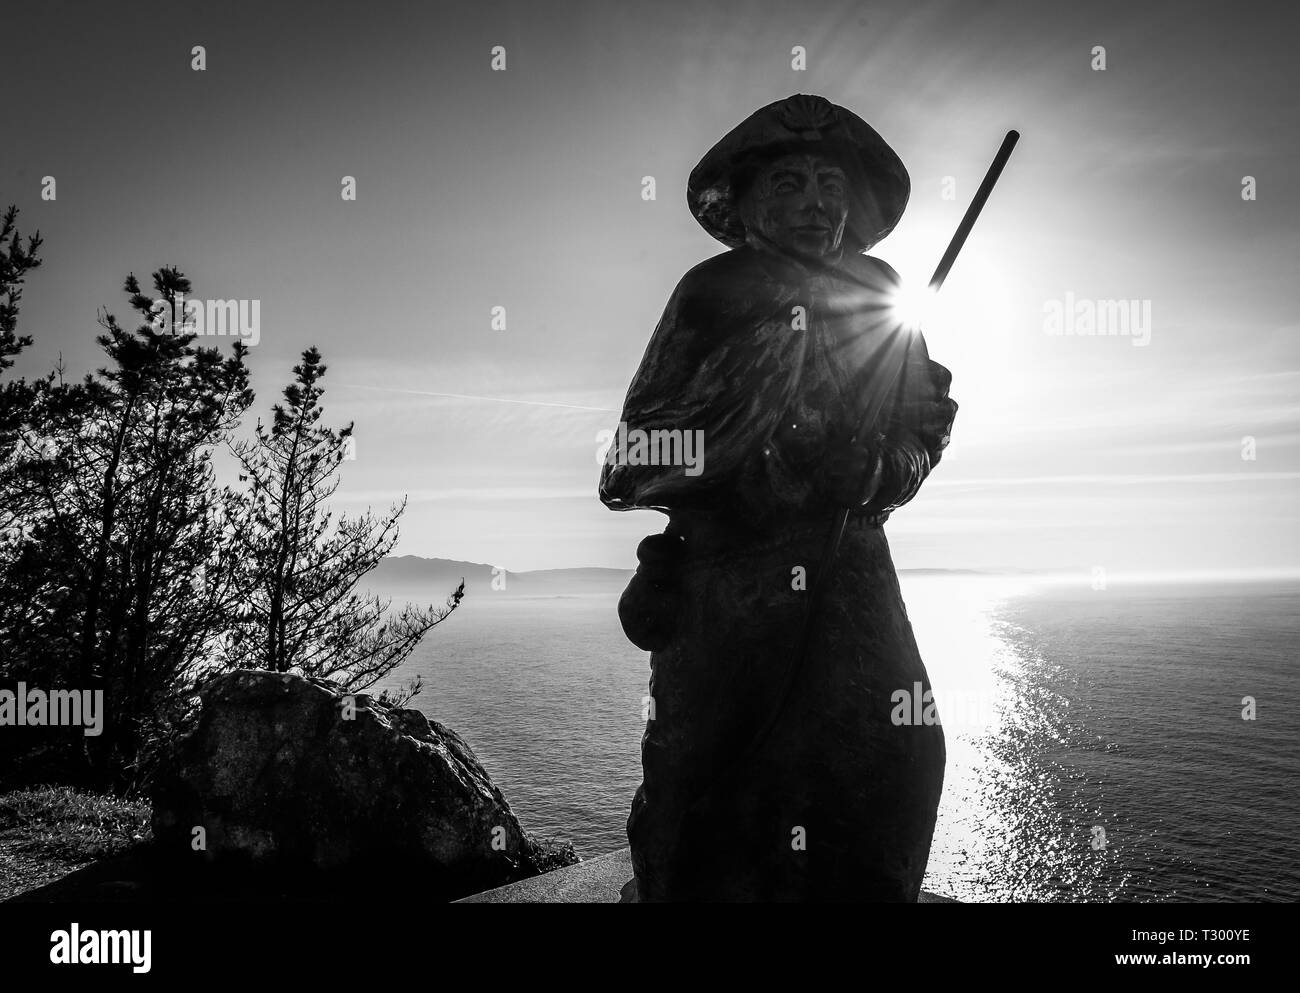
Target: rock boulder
x,y
291,771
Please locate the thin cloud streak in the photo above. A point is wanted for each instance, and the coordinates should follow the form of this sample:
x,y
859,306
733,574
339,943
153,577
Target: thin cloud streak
x,y
1120,480
472,494
464,396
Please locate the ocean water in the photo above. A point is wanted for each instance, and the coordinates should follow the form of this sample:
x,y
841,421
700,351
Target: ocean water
x,y
1096,746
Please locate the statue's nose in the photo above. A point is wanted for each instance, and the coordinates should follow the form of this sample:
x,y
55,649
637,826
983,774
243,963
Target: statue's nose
x,y
811,203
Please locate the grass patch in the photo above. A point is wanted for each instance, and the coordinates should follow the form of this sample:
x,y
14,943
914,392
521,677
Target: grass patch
x,y
77,827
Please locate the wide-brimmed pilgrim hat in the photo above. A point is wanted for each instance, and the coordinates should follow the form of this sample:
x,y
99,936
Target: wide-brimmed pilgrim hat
x,y
878,185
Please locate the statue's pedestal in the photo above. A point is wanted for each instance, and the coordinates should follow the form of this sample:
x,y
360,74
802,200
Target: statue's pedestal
x,y
598,880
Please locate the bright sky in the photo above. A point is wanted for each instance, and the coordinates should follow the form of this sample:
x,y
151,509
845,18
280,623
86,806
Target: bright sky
x,y
522,189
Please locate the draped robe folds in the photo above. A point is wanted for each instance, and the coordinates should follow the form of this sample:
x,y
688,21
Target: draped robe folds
x,y
839,802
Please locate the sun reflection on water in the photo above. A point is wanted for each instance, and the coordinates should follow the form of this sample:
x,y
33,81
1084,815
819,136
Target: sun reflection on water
x,y
1000,834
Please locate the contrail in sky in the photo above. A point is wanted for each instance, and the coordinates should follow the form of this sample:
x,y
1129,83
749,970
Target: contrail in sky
x,y
464,396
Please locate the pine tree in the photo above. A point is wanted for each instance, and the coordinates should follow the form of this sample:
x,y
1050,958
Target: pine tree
x,y
303,565
15,262
123,575
15,395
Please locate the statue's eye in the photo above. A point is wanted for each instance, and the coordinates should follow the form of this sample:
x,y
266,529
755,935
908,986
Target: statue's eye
x,y
786,186
834,187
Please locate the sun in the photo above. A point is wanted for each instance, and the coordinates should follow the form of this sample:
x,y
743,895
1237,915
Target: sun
x,y
968,327
913,305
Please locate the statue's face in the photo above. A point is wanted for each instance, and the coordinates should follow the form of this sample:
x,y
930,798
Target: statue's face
x,y
799,202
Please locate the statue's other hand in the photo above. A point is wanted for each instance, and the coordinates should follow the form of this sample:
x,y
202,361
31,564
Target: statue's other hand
x,y
930,411
851,474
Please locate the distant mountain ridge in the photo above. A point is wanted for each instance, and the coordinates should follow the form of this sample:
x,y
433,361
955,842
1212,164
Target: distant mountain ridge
x,y
432,580
411,576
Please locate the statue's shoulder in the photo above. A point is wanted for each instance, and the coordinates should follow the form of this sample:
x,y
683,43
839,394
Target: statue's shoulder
x,y
732,274
721,294
873,271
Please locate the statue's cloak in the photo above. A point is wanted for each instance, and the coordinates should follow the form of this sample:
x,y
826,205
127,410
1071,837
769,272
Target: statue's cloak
x,y
731,358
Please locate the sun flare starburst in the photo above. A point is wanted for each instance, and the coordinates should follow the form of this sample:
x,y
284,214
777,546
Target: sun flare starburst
x,y
913,305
